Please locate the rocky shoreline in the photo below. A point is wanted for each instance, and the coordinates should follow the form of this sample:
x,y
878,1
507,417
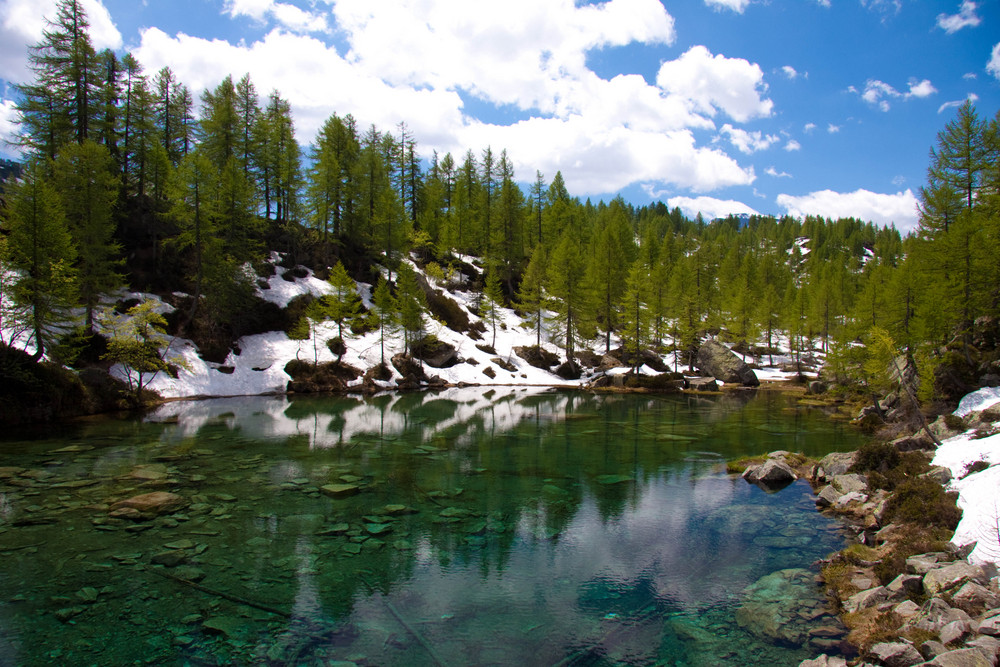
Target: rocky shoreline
x,y
895,608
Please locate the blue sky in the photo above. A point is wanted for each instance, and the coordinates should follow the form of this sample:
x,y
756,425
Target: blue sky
x,y
770,106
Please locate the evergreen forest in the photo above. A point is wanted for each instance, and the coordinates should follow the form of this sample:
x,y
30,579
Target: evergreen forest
x,y
131,180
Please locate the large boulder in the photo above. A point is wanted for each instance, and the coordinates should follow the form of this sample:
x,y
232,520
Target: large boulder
x,y
952,575
771,475
537,356
435,353
720,362
569,370
408,367
314,378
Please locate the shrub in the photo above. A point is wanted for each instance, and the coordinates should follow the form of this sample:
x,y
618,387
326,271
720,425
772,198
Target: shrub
x,y
923,501
975,466
876,457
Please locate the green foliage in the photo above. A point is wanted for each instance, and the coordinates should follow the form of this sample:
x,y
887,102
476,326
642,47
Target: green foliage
x,y
491,302
410,306
383,315
40,248
635,314
85,179
138,342
876,456
343,304
923,501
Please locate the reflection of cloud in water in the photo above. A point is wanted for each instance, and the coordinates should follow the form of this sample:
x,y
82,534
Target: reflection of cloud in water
x,y
462,413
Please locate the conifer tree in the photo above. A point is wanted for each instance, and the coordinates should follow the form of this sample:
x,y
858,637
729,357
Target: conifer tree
x,y
84,176
491,301
343,304
383,314
531,297
194,211
411,303
635,315
60,105
41,249
570,300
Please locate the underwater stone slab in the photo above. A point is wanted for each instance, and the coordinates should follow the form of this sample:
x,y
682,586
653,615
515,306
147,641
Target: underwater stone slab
x,y
339,490
156,502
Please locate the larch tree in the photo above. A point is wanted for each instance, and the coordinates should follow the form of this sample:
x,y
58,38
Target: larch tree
x,y
84,177
531,297
40,249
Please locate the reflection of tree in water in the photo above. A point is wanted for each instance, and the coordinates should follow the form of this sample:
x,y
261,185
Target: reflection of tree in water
x,y
595,481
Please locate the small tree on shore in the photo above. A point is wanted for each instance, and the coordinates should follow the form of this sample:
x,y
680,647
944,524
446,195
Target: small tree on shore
x,y
138,341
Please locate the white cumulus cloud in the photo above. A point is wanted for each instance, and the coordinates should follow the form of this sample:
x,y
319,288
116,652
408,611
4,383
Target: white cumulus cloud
x,y
792,145
8,128
898,209
993,66
602,134
954,104
709,207
748,142
736,5
771,171
22,22
878,93
965,18
732,85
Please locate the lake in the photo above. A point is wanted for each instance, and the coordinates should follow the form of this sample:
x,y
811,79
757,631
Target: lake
x,y
475,526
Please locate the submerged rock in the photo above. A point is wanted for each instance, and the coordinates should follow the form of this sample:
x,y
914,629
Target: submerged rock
x,y
155,503
774,604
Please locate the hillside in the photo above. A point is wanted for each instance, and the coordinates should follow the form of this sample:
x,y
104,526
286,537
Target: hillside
x,y
256,364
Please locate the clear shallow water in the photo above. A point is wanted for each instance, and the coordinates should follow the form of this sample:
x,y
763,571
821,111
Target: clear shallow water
x,y
485,527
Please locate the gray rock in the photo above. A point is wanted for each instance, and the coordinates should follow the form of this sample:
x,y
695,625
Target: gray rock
x,y
963,657
720,362
952,575
932,648
988,646
934,615
910,443
939,474
837,463
824,661
924,563
990,626
906,609
865,599
896,654
850,497
850,483
905,585
701,384
828,496
772,472
973,598
954,632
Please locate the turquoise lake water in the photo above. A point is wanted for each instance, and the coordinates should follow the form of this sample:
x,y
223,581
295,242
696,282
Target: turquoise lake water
x,y
475,526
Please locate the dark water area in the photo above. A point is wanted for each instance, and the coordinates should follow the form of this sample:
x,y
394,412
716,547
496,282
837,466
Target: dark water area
x,y
504,526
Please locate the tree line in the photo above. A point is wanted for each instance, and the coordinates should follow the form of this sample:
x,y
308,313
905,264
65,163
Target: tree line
x,y
127,180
